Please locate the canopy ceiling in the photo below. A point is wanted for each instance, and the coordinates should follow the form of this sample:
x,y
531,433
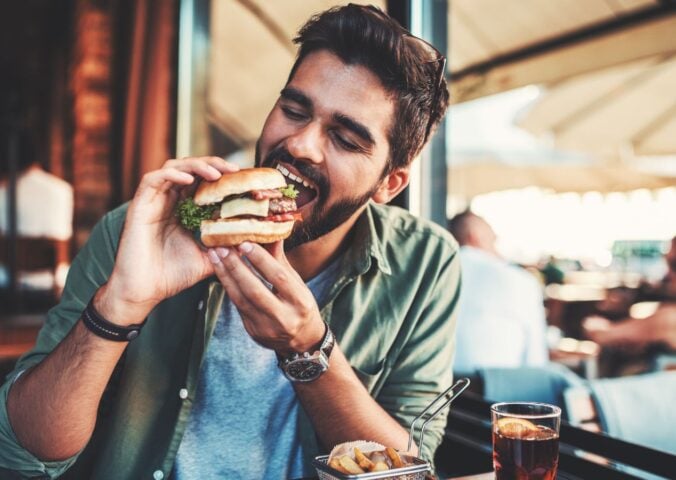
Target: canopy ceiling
x,y
624,110
497,45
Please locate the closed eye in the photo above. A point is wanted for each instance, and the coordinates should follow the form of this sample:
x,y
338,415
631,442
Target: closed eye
x,y
346,144
292,114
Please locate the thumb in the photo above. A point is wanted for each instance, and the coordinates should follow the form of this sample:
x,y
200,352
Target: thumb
x,y
276,249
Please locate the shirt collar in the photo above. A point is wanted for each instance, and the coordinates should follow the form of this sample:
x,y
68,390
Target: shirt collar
x,y
366,244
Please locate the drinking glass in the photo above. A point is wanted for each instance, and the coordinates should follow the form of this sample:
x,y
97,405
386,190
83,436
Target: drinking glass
x,y
525,440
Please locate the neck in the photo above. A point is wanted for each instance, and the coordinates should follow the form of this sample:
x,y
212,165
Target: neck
x,y
308,259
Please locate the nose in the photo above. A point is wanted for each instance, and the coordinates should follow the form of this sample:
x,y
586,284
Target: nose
x,y
306,143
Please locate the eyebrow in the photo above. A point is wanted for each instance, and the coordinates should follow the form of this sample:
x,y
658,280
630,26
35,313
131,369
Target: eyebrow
x,y
357,128
294,95
289,93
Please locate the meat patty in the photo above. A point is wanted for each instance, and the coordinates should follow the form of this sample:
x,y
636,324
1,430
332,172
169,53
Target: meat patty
x,y
282,205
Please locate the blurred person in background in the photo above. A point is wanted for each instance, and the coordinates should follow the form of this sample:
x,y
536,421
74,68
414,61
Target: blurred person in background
x,y
637,339
501,315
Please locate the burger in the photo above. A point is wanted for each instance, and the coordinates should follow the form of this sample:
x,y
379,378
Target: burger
x,y
253,204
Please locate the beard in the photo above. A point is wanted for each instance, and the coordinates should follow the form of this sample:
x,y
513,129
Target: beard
x,y
323,218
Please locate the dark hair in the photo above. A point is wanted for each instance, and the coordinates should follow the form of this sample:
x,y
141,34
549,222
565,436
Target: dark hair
x,y
460,225
366,36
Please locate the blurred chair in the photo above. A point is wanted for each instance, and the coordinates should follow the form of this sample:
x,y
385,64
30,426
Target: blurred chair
x,y
528,384
639,409
34,256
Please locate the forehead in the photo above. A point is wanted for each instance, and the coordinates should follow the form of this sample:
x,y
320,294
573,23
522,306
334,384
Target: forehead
x,y
335,87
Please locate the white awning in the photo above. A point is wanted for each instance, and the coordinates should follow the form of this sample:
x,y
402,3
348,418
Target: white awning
x,y
499,45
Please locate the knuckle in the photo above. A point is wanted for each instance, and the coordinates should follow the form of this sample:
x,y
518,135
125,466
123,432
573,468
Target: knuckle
x,y
279,277
229,265
147,177
306,304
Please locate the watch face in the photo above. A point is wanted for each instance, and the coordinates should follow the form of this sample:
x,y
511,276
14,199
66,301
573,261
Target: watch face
x,y
305,370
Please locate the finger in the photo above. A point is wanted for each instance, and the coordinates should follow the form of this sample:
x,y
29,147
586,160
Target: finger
x,y
195,166
276,249
275,270
159,181
244,288
217,163
216,259
221,164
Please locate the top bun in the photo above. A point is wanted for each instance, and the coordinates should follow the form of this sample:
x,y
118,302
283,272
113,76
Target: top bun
x,y
237,183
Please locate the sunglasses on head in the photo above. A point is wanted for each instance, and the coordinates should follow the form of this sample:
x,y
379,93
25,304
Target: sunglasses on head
x,y
435,57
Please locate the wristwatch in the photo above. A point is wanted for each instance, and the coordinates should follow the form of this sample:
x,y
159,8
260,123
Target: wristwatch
x,y
306,367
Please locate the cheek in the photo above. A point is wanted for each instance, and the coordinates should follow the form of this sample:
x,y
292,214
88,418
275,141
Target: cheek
x,y
273,128
350,180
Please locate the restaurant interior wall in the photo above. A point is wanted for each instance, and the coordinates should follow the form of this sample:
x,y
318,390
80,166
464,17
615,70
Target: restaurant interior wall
x,y
67,104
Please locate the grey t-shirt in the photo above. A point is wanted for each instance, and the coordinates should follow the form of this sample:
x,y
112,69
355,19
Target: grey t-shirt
x,y
243,424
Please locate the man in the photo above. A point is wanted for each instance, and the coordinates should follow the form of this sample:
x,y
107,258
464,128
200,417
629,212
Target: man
x,y
359,104
501,317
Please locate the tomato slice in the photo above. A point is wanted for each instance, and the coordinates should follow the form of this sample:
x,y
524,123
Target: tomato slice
x,y
284,217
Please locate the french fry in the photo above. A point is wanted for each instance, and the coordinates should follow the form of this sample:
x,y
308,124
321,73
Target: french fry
x,y
394,457
348,464
380,467
362,460
335,464
379,456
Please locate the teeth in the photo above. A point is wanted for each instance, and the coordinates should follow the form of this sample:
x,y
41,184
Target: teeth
x,y
293,177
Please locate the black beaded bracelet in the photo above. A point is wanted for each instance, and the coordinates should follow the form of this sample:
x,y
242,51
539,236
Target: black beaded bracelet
x,y
105,329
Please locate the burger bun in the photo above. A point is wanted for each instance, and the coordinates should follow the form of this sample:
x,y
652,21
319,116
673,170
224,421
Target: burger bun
x,y
226,233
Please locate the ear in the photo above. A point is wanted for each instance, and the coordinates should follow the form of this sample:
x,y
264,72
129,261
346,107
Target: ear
x,y
391,185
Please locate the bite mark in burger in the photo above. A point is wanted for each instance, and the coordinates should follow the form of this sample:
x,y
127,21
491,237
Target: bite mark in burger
x,y
253,204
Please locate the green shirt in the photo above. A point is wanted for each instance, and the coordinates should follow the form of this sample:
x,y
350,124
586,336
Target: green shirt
x,y
392,309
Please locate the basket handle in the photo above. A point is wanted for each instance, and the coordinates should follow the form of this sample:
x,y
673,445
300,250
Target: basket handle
x,y
449,395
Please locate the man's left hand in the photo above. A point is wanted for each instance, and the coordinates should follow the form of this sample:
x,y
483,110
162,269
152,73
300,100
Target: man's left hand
x,y
285,318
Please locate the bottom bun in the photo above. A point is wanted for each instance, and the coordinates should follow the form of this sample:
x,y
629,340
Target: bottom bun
x,y
226,233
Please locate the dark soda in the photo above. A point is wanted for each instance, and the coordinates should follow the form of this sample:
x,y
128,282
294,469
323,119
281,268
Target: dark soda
x,y
531,455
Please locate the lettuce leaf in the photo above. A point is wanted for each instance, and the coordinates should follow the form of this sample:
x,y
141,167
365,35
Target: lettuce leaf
x,y
289,191
191,215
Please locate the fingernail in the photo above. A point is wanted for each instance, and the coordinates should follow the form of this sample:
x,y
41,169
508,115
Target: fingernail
x,y
222,252
213,257
245,247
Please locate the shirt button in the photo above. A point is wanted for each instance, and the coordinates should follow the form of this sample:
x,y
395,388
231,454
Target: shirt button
x,y
200,305
183,394
158,474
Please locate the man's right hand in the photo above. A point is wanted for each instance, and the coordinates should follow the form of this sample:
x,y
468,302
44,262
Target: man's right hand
x,y
157,258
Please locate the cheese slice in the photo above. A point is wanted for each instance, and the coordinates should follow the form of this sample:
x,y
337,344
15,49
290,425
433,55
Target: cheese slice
x,y
245,206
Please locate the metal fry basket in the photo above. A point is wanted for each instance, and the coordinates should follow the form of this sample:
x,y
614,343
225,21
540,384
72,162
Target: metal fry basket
x,y
416,468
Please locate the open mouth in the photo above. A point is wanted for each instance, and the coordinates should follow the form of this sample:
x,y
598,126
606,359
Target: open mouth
x,y
306,190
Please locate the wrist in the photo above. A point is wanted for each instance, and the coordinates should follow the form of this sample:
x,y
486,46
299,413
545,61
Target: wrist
x,y
110,303
310,341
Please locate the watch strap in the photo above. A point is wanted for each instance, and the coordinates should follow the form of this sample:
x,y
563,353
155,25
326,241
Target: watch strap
x,y
326,346
108,330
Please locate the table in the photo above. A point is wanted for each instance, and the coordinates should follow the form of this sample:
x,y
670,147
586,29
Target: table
x,y
467,450
482,476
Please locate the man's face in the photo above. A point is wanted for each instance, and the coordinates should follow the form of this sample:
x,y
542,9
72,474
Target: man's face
x,y
327,134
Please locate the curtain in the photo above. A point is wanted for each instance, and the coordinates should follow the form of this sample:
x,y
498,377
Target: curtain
x,y
144,102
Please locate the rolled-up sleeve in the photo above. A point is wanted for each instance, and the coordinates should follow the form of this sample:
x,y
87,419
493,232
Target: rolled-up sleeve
x,y
90,269
16,459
